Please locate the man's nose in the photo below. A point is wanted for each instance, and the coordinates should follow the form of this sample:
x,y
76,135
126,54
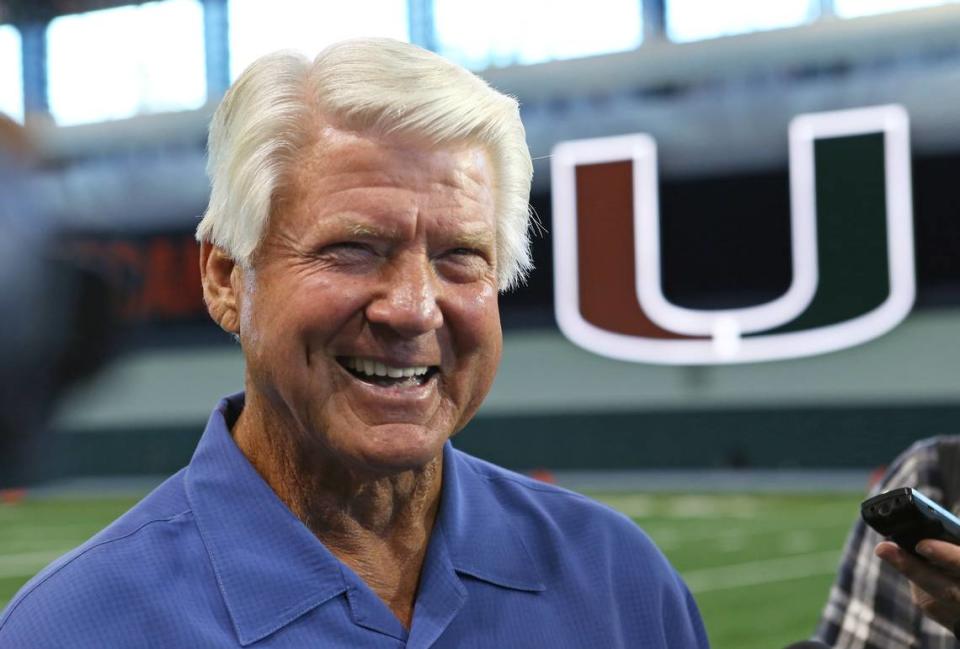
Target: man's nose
x,y
407,302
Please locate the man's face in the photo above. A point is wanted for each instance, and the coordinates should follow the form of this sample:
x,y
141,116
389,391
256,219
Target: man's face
x,y
370,320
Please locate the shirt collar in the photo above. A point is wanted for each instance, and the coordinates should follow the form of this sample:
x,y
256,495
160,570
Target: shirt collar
x,y
270,568
480,532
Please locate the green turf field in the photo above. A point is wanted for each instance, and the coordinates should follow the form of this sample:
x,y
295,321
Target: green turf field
x,y
759,565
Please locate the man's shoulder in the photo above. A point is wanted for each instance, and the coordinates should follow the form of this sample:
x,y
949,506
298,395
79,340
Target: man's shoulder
x,y
589,555
553,515
132,558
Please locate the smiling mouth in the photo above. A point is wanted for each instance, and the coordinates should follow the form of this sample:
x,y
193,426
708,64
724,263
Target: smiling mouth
x,y
377,373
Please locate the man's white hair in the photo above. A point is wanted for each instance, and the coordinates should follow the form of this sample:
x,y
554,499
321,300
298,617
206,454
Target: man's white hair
x,y
370,85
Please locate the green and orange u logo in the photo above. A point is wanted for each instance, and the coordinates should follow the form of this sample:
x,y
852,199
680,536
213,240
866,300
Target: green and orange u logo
x,y
851,238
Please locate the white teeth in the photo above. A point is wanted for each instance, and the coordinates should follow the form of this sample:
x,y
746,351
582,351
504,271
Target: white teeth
x,y
376,368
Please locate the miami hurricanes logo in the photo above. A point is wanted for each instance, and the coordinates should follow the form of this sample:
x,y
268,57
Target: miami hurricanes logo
x,y
851,238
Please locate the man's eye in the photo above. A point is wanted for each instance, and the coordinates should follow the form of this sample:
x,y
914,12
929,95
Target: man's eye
x,y
464,252
346,253
348,247
464,264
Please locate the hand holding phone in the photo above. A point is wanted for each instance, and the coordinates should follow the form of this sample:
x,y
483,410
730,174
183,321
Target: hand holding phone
x,y
906,516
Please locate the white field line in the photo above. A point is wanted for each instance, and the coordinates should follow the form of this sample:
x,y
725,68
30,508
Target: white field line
x,y
703,507
768,571
669,537
26,564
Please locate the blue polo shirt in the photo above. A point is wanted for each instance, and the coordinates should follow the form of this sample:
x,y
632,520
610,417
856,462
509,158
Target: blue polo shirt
x,y
212,558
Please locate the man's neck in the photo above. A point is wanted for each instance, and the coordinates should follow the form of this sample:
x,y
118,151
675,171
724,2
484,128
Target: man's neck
x,y
378,525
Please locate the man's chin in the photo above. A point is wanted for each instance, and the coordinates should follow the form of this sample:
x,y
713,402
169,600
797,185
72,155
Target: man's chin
x,y
397,448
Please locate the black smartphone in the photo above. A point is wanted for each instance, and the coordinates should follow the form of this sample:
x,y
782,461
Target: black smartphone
x,y
906,516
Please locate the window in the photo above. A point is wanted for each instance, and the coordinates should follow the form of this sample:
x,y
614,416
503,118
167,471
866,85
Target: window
x,y
116,63
693,20
258,27
505,32
853,8
11,73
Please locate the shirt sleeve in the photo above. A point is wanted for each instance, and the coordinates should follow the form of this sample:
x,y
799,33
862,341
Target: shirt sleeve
x,y
697,634
869,606
33,628
679,615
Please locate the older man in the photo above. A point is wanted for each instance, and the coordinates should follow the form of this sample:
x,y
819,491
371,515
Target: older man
x,y
366,209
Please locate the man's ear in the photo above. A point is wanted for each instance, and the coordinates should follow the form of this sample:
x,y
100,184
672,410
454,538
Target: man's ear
x,y
221,279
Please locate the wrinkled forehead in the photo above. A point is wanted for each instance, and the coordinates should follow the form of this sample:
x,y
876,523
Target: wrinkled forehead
x,y
464,164
342,172
334,157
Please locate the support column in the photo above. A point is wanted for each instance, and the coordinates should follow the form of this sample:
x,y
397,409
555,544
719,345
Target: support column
x,y
423,28
827,10
33,43
216,39
654,20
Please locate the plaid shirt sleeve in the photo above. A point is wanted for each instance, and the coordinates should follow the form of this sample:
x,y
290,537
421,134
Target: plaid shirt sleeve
x,y
870,605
